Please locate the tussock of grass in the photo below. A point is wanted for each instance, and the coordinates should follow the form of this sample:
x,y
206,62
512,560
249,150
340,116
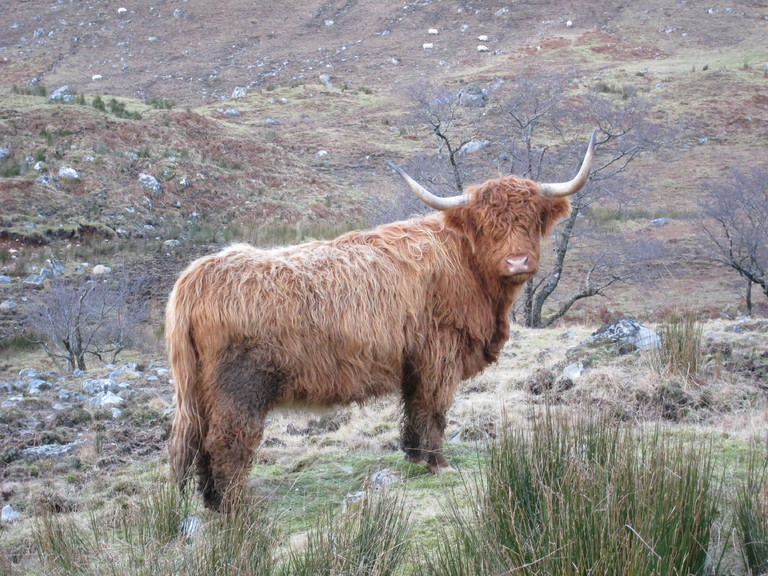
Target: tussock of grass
x,y
584,498
751,509
368,538
680,353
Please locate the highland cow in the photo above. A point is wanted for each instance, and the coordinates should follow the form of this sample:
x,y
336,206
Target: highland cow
x,y
409,308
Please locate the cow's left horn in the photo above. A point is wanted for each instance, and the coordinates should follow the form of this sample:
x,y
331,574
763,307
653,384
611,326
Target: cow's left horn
x,y
568,188
436,202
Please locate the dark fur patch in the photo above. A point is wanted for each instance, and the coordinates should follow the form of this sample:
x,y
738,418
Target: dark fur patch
x,y
248,381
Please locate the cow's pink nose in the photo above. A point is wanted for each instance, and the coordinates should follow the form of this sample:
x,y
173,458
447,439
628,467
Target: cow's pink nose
x,y
518,265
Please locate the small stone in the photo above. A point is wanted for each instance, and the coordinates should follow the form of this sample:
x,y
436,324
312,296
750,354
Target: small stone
x,y
8,514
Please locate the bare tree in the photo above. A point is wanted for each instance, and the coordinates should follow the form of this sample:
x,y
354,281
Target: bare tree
x,y
97,317
737,225
539,134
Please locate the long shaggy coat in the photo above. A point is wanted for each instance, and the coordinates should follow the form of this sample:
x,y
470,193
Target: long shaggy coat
x,y
409,308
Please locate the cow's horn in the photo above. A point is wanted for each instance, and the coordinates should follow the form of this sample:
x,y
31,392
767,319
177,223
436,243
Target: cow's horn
x,y
568,188
436,202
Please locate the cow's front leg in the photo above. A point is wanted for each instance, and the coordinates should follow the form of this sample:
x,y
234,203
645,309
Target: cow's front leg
x,y
425,404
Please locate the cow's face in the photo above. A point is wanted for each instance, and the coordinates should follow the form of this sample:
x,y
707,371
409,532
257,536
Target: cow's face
x,y
506,221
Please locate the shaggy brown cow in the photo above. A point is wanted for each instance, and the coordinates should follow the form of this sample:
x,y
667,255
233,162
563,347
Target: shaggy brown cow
x,y
410,307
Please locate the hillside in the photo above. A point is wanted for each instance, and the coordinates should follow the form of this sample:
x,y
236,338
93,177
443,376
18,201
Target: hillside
x,y
193,124
304,158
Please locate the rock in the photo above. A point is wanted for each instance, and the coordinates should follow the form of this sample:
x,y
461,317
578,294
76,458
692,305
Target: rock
x,y
384,478
151,184
8,514
101,270
661,221
36,385
5,279
326,79
63,94
472,97
239,92
44,180
172,243
116,413
68,173
190,525
230,112
98,385
573,371
321,153
475,146
49,450
8,306
28,373
127,371
38,279
56,266
627,331
4,153
105,399
40,166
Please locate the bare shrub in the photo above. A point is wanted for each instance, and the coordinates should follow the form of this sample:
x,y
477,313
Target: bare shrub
x,y
99,316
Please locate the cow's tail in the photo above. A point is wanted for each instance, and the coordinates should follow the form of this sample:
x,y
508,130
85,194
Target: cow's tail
x,y
188,429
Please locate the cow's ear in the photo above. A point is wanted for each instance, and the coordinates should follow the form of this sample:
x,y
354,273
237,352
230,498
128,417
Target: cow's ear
x,y
555,209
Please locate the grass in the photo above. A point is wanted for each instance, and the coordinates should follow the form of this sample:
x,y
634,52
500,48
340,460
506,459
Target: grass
x,y
751,511
584,497
568,495
680,354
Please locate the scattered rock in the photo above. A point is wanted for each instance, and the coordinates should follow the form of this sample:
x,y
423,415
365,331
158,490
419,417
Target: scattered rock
x,y
68,173
230,112
39,279
8,514
98,386
573,371
473,96
190,525
475,146
627,331
101,270
384,478
49,450
105,399
151,184
63,94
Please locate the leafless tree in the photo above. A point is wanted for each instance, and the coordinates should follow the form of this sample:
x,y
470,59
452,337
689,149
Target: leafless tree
x,y
737,225
97,316
537,131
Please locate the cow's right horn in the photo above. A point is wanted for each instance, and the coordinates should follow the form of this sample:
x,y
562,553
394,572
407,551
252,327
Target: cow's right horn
x,y
573,186
436,202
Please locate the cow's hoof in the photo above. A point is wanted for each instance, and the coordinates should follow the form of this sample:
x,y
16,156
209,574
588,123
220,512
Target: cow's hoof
x,y
415,460
440,468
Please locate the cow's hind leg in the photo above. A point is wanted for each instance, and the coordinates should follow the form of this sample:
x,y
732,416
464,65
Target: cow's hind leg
x,y
231,442
244,393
